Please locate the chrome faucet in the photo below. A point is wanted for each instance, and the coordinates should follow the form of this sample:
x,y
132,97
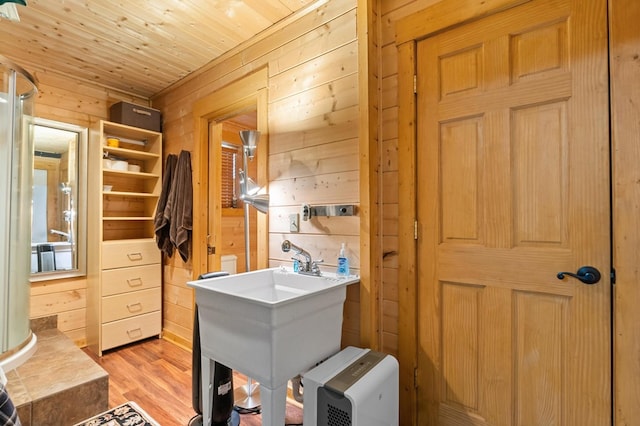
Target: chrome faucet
x,y
307,266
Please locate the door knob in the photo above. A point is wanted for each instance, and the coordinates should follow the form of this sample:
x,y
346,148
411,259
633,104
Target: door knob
x,y
586,274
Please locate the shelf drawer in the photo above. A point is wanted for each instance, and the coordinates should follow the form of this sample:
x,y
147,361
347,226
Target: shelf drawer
x,y
119,254
122,280
131,304
118,333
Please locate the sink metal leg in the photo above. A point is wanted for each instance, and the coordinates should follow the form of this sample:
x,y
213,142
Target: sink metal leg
x,y
207,366
273,405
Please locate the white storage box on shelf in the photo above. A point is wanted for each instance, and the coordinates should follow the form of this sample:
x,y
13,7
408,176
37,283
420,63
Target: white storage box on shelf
x,y
119,165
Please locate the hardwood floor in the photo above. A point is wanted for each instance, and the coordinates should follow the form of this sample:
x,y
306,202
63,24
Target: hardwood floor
x,y
156,374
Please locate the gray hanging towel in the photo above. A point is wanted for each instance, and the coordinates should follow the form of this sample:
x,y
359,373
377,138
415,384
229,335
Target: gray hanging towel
x,y
180,206
161,222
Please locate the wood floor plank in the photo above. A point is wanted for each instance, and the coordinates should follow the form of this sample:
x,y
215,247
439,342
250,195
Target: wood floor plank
x,y
156,374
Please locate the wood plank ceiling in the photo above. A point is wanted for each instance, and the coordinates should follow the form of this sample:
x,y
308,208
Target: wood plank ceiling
x,y
136,46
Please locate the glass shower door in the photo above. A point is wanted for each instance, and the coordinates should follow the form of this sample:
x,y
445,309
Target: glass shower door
x,y
17,96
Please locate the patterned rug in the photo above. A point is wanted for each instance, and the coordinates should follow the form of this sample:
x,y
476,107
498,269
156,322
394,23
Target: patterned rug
x,y
127,414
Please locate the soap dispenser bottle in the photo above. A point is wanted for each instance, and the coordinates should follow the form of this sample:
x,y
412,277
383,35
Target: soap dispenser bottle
x,y
343,264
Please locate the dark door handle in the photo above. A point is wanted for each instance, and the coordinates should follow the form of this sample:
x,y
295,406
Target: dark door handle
x,y
586,274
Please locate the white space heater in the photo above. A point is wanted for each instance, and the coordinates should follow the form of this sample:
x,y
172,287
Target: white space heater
x,y
355,387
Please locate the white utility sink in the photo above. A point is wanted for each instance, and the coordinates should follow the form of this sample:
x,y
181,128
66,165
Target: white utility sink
x,y
270,324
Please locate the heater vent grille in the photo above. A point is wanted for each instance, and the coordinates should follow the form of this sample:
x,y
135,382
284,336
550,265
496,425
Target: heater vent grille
x,y
338,417
333,408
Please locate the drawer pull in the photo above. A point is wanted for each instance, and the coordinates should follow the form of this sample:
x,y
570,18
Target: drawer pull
x,y
134,256
134,307
134,333
134,282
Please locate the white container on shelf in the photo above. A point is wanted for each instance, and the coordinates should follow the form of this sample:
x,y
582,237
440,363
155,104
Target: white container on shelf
x,y
119,165
134,168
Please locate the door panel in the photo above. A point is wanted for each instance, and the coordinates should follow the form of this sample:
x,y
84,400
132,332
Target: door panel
x,y
512,188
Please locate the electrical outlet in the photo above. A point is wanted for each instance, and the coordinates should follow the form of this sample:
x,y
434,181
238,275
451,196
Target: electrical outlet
x,y
294,222
305,209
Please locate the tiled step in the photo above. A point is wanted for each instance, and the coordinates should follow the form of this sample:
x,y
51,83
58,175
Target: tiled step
x,y
59,384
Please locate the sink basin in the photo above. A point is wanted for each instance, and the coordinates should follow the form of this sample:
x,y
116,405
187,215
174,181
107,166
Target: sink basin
x,y
273,323
270,324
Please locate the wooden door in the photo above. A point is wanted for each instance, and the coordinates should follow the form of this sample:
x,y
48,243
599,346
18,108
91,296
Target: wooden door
x,y
513,187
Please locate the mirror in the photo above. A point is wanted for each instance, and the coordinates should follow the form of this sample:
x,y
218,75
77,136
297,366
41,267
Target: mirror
x,y
58,228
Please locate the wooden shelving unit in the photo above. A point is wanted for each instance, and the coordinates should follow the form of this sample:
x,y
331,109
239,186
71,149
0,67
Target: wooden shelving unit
x,y
124,293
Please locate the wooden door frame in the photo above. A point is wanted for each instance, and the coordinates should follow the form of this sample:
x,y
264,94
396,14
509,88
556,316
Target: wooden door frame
x,y
246,94
409,31
369,178
625,155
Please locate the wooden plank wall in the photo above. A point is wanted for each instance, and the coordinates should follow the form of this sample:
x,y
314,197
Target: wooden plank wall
x,y
63,99
624,41
313,141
